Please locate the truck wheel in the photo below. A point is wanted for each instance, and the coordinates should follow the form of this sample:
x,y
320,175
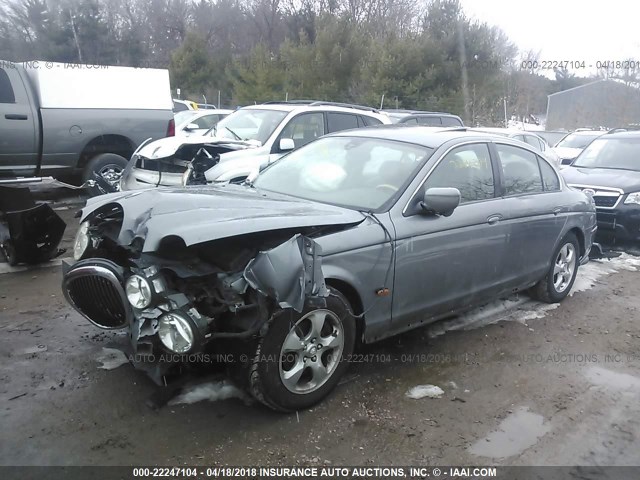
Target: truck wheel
x,y
109,166
303,355
557,283
9,253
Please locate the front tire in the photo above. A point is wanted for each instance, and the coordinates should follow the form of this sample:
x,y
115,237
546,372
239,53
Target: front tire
x,y
109,166
558,281
303,355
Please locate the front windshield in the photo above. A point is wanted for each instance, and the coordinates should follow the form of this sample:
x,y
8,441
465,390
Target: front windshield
x,y
248,124
616,153
574,140
355,172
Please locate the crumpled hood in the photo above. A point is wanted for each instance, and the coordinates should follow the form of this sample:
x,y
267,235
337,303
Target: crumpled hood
x,y
567,152
627,180
201,214
165,147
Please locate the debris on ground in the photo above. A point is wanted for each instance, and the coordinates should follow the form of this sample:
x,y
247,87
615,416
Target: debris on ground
x,y
112,358
422,391
212,391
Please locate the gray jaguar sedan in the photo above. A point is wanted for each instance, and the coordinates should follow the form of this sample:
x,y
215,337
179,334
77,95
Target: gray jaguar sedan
x,y
355,237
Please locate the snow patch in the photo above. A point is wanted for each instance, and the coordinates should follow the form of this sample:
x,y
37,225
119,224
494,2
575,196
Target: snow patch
x,y
425,391
112,358
522,309
212,391
589,274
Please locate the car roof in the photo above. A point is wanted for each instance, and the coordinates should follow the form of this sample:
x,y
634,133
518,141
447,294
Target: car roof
x,y
587,132
291,106
431,137
632,134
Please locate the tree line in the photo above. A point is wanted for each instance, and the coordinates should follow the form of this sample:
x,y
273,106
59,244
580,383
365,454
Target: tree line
x,y
397,53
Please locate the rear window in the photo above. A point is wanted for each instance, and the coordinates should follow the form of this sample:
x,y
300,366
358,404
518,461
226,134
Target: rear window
x,y
370,121
451,122
430,121
6,91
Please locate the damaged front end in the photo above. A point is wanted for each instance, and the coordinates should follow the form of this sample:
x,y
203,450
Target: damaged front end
x,y
176,161
179,300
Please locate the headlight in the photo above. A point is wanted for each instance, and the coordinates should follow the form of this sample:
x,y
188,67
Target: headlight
x,y
138,291
633,198
175,333
81,241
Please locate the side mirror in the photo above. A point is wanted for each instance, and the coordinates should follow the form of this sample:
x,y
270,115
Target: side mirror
x,y
441,201
286,144
192,126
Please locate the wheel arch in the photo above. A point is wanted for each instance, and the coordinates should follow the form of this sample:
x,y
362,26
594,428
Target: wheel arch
x,y
355,301
111,143
581,241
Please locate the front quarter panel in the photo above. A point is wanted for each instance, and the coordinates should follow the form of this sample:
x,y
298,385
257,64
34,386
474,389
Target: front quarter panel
x,y
361,257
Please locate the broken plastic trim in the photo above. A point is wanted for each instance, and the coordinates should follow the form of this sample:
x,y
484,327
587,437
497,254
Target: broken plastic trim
x,y
290,273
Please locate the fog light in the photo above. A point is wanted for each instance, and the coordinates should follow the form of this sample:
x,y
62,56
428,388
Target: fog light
x,y
138,290
175,333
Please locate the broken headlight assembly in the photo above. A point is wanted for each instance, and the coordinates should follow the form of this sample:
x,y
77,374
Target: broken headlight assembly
x,y
176,332
138,291
81,241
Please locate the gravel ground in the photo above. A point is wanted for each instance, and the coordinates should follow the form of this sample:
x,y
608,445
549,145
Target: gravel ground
x,y
521,384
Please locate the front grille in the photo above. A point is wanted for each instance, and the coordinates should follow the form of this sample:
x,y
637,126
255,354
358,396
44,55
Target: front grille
x,y
607,202
602,196
94,288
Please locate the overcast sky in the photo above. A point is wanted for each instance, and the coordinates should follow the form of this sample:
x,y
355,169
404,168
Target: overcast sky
x,y
566,29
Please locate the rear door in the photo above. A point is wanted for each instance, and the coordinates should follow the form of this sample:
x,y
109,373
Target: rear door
x,y
18,146
447,263
533,213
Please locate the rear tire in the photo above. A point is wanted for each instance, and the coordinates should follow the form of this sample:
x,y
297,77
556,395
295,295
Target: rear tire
x,y
107,165
303,355
558,281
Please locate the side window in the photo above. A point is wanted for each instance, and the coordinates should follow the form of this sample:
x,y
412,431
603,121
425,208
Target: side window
x,y
549,176
430,121
304,128
467,168
341,121
370,121
410,121
207,121
451,122
533,141
519,169
6,91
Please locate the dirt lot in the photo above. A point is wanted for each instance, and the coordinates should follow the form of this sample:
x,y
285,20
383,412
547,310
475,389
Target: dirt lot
x,y
524,384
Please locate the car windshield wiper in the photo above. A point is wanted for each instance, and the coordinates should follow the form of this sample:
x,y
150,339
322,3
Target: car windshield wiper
x,y
238,137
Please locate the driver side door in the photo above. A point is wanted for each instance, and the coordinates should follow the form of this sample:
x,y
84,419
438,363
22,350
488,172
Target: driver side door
x,y
448,263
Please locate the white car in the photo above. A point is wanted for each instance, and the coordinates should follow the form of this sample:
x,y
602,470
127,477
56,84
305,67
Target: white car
x,y
572,144
527,137
199,122
242,143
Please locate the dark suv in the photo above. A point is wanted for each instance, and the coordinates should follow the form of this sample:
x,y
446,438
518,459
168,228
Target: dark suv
x,y
427,119
609,169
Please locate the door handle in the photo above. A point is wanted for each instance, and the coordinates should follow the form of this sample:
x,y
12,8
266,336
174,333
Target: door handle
x,y
493,219
15,116
557,210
